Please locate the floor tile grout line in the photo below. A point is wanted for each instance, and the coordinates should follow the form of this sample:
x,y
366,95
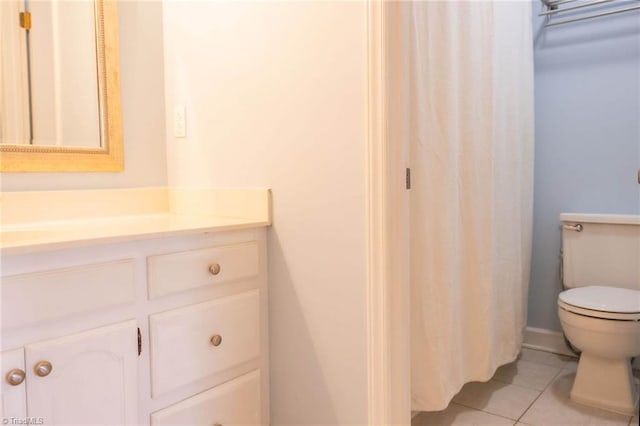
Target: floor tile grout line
x,y
519,385
474,409
500,415
569,399
571,358
482,411
564,363
513,384
530,405
560,370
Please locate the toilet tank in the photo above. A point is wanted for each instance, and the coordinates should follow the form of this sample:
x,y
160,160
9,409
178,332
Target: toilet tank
x,y
606,252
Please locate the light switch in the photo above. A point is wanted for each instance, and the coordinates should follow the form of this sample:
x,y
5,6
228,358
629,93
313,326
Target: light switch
x,y
179,121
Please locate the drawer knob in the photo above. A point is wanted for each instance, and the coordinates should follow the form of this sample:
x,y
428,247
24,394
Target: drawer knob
x,y
216,339
214,269
15,377
42,368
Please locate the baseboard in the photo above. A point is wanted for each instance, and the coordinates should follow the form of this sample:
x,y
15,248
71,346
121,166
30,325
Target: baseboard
x,y
552,341
546,340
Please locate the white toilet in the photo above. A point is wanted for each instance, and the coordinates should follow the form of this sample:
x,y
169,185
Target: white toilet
x,y
600,310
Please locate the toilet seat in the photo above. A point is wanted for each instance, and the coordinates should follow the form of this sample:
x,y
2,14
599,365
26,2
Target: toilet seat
x,y
612,303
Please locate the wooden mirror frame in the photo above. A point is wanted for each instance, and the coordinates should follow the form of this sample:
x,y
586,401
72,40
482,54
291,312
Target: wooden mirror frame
x,y
110,156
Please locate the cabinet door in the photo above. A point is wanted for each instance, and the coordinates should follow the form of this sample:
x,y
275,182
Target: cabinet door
x,y
92,378
14,403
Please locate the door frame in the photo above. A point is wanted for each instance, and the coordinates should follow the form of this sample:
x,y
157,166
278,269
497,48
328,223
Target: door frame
x,y
388,318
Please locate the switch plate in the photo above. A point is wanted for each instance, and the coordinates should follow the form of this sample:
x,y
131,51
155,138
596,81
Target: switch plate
x,y
179,121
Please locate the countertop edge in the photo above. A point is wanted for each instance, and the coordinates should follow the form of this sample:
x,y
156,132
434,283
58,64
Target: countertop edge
x,y
29,247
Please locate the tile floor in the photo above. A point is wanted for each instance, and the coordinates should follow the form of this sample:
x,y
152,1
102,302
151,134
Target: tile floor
x,y
534,390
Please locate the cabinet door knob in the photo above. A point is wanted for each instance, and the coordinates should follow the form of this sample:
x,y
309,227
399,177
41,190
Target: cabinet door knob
x,y
216,339
42,368
15,377
214,268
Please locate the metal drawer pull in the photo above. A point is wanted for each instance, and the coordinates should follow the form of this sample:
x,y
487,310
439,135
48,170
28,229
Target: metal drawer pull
x,y
43,368
216,339
15,377
214,269
577,227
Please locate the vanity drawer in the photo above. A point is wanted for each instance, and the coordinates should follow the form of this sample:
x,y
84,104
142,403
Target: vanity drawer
x,y
184,346
47,295
174,272
236,402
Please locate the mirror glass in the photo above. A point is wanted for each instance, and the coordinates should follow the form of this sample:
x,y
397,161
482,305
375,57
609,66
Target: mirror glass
x,y
49,85
60,108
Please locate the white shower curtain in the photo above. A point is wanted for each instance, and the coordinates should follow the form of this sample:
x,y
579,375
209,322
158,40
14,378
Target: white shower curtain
x,y
471,149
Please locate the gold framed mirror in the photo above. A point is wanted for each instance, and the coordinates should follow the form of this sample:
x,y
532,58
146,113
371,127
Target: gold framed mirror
x,y
105,153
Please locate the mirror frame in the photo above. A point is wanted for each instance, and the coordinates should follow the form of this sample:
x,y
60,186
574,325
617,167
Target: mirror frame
x,y
109,157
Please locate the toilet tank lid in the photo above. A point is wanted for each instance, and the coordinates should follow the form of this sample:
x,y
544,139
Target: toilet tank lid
x,y
604,299
621,219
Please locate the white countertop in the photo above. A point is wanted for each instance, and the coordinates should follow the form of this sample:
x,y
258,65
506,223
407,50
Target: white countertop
x,y
52,220
34,237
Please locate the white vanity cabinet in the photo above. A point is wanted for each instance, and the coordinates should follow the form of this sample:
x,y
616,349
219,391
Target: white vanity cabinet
x,y
168,330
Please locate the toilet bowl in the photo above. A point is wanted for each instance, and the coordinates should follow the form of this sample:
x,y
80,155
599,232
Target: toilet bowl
x,y
604,323
600,310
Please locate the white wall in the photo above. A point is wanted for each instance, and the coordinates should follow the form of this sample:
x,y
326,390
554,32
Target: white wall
x,y
142,79
276,96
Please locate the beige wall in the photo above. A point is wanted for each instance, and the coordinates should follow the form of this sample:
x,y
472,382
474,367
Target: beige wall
x,y
142,108
276,96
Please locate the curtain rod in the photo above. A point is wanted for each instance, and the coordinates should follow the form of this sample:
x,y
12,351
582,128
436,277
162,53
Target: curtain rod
x,y
566,9
583,18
